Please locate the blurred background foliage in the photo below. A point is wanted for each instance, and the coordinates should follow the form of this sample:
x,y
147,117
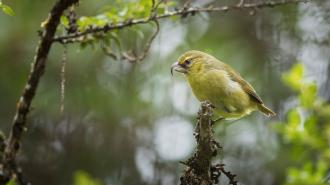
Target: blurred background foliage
x,y
131,123
305,132
6,9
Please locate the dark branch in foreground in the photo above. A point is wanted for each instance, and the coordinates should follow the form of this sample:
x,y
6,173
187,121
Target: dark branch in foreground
x,y
184,11
200,170
9,167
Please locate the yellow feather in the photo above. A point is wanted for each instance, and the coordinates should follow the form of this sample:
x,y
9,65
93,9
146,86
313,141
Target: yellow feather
x,y
219,84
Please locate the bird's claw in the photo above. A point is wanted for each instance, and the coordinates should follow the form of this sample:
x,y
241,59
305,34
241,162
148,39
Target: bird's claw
x,y
216,120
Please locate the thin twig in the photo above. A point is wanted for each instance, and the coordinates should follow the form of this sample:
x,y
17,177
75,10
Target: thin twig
x,y
219,169
148,45
158,3
230,176
180,12
63,65
187,4
241,3
128,55
109,52
153,5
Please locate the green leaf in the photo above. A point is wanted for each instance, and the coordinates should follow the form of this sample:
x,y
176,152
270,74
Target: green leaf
x,y
308,141
11,182
293,117
292,130
307,96
83,178
64,21
321,170
7,10
83,22
310,125
293,77
307,175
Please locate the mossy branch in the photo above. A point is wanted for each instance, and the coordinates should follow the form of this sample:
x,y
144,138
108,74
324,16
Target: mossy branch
x,y
200,170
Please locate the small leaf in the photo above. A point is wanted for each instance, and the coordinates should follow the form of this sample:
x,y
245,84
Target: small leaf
x,y
293,117
308,95
44,23
64,21
83,178
7,10
293,77
292,130
11,182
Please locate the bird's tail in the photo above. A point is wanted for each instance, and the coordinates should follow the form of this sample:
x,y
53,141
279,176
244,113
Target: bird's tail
x,y
268,112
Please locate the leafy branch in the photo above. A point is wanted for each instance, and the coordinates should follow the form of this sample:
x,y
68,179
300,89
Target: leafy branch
x,y
184,11
129,55
96,28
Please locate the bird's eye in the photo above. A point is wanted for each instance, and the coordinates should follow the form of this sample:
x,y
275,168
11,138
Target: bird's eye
x,y
187,62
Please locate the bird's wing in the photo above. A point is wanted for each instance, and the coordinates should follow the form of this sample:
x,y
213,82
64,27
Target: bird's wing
x,y
244,84
237,78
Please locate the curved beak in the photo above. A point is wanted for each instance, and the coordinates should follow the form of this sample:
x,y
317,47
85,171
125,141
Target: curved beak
x,y
178,68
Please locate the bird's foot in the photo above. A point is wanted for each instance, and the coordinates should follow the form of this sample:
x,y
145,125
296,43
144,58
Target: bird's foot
x,y
216,120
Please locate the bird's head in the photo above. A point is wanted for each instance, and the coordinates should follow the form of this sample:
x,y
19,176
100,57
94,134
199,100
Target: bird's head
x,y
190,61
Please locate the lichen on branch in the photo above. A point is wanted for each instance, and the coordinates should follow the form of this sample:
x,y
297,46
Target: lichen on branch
x,y
199,168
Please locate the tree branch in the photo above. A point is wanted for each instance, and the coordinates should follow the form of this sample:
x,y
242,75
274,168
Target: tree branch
x,y
23,106
128,55
220,168
198,166
200,170
184,11
145,51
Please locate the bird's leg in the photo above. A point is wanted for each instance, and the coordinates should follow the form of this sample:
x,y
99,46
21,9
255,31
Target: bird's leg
x,y
218,119
233,121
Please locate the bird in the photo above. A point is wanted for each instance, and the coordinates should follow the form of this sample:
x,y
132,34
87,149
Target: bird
x,y
219,84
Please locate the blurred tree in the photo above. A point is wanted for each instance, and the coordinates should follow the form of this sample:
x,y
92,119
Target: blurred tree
x,y
306,133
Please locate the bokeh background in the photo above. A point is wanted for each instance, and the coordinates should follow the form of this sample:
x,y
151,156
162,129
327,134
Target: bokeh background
x,y
127,123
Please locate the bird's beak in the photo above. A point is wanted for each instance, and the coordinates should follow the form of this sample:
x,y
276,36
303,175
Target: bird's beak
x,y
178,68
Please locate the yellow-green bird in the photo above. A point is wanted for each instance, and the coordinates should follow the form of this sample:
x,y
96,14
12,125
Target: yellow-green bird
x,y
216,82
